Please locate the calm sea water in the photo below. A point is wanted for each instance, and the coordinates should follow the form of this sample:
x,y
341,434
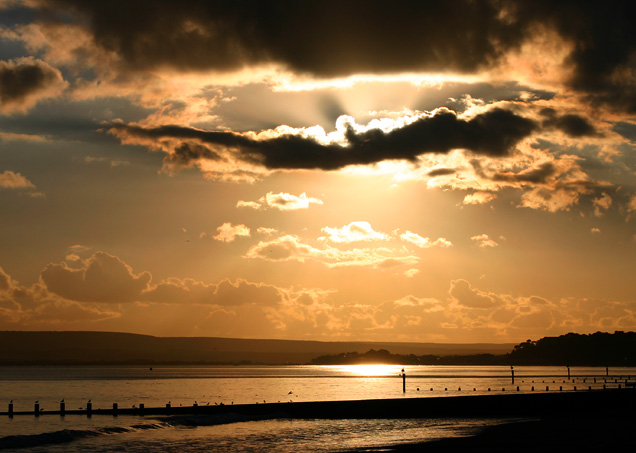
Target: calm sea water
x,y
183,386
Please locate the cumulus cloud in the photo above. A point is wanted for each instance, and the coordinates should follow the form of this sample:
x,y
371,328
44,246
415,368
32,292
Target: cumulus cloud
x,y
258,310
12,180
225,293
483,240
549,182
228,232
291,248
6,282
266,230
479,198
281,201
411,272
103,278
25,81
602,204
353,232
423,242
464,294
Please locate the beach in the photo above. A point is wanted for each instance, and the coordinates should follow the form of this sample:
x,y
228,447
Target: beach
x,y
603,422
583,432
322,409
515,422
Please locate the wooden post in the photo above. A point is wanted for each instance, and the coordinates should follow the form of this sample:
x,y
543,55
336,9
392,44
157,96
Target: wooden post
x,y
115,408
141,408
512,371
568,371
11,408
62,408
36,409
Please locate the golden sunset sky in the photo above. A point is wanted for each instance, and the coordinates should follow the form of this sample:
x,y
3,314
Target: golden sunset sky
x,y
437,171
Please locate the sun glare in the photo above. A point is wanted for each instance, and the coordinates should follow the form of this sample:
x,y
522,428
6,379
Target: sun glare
x,y
371,370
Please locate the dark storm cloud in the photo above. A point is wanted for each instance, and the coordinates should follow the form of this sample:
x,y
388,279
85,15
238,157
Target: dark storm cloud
x,y
492,133
186,152
441,172
326,38
335,38
23,81
573,125
604,54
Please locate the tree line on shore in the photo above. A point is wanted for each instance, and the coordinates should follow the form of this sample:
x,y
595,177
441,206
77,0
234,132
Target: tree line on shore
x,y
597,349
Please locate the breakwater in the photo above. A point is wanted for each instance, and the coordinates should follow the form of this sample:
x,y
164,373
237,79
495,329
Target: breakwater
x,y
500,405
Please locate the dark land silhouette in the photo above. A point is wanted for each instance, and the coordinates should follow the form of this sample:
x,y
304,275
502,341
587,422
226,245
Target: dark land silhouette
x,y
598,349
104,348
111,348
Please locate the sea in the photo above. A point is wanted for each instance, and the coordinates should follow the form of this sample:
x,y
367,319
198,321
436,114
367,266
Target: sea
x,y
183,386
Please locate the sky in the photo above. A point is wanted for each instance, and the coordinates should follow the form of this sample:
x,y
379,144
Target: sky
x,y
458,171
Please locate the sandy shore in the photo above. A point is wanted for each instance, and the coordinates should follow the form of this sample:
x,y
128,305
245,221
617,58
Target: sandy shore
x,y
604,422
548,434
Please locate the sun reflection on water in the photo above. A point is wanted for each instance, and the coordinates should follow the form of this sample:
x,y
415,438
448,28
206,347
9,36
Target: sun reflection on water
x,y
370,370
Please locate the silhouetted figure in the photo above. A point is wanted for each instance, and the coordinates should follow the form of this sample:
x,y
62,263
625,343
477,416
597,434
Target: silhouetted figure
x,y
403,381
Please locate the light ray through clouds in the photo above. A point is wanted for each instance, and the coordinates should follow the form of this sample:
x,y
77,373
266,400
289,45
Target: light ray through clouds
x,y
456,171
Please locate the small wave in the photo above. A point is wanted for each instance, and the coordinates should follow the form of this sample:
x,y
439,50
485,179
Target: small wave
x,y
221,419
176,421
68,435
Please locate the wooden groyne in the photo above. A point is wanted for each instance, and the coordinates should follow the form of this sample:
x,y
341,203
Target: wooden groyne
x,y
499,405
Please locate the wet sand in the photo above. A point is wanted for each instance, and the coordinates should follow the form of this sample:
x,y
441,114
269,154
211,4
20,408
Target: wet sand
x,y
605,422
563,434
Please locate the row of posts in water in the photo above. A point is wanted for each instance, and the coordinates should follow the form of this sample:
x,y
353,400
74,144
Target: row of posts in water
x,y
88,411
89,405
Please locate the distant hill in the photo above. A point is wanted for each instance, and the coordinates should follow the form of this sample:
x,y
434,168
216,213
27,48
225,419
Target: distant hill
x,y
20,347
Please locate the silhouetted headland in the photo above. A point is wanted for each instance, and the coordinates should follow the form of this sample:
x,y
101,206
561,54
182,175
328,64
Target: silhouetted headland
x,y
598,349
111,348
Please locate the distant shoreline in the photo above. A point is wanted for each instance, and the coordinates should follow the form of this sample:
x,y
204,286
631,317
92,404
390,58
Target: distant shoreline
x,y
121,349
93,348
